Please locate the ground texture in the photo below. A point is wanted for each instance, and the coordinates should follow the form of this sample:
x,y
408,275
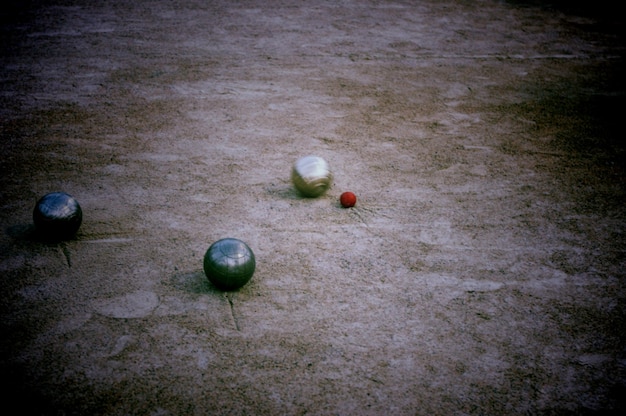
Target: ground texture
x,y
481,272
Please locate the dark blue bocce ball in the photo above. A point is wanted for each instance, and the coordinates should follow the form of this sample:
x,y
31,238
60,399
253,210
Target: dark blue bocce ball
x,y
229,264
57,215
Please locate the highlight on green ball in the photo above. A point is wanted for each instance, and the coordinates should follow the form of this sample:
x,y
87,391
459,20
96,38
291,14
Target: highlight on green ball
x,y
229,264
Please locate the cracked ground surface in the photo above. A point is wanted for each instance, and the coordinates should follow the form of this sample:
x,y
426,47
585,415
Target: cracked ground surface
x,y
481,271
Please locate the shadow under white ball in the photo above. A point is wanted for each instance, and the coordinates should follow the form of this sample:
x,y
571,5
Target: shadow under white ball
x,y
311,176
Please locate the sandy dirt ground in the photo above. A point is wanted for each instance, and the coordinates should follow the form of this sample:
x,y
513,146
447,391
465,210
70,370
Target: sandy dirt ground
x,y
482,271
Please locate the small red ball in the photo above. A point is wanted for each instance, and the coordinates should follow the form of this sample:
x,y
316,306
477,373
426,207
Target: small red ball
x,y
347,199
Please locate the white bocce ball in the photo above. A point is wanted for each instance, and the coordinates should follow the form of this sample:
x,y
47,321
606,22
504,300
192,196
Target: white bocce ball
x,y
311,176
